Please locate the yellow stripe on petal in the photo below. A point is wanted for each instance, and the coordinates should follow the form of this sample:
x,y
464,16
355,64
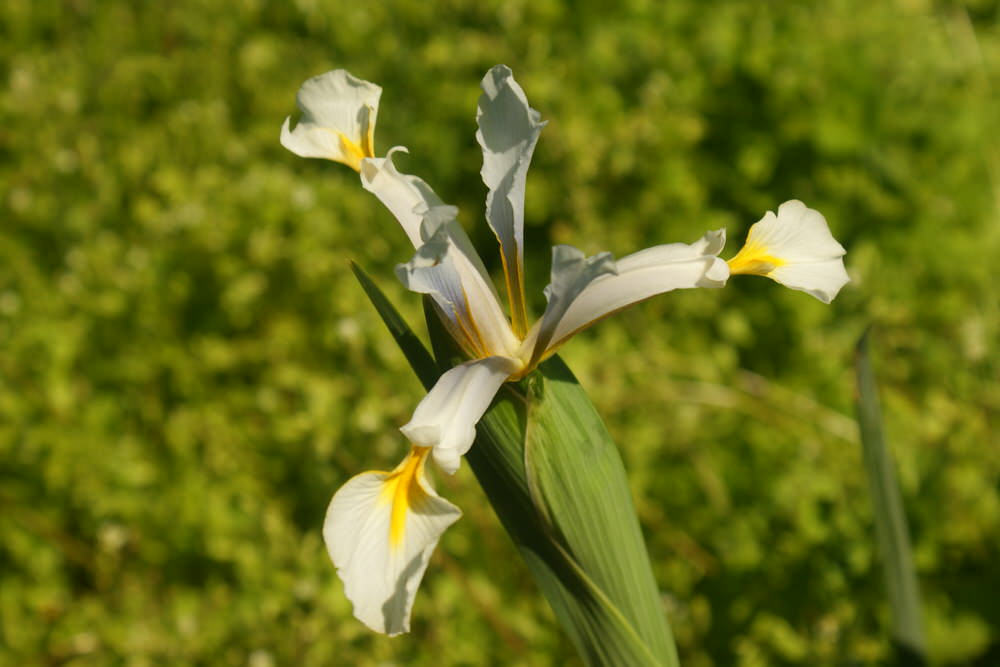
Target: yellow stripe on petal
x,y
364,528
368,138
338,119
353,154
402,489
754,259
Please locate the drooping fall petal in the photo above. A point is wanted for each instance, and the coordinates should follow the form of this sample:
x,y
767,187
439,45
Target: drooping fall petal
x,y
795,248
380,531
338,119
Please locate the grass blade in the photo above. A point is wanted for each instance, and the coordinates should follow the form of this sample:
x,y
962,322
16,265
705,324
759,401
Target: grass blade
x,y
890,521
416,354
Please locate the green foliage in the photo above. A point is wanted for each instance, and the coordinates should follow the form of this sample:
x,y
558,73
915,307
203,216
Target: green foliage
x,y
188,369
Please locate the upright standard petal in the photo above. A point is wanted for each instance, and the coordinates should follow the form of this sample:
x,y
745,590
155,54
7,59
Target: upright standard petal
x,y
581,294
463,294
508,132
380,530
446,419
338,119
796,249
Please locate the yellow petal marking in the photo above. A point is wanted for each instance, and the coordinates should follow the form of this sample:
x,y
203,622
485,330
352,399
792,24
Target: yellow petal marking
x,y
352,152
472,329
514,278
368,140
402,489
754,258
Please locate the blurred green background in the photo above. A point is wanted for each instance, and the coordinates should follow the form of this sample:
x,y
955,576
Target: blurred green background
x,y
188,369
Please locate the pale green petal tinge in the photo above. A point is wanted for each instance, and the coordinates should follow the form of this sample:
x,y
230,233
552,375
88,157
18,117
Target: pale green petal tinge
x,y
508,132
338,119
795,248
380,530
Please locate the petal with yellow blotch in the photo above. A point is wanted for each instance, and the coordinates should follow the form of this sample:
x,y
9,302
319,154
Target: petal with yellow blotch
x,y
338,119
795,248
380,531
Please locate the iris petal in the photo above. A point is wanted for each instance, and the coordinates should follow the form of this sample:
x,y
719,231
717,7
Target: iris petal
x,y
338,119
795,248
446,419
464,295
380,531
508,132
588,293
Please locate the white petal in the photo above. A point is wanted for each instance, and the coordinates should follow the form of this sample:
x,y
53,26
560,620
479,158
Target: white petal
x,y
795,248
465,298
407,197
588,294
446,418
338,119
410,199
508,132
822,280
380,530
432,271
572,272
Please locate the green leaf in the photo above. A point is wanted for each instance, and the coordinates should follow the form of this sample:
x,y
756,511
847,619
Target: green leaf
x,y
416,354
890,520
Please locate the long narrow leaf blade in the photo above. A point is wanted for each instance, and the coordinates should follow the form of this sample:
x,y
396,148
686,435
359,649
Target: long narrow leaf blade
x,y
890,520
416,354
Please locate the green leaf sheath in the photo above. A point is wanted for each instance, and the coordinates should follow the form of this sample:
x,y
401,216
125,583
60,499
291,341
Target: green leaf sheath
x,y
556,482
578,480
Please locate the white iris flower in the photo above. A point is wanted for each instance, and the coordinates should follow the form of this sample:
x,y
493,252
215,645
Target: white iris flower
x,y
381,527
